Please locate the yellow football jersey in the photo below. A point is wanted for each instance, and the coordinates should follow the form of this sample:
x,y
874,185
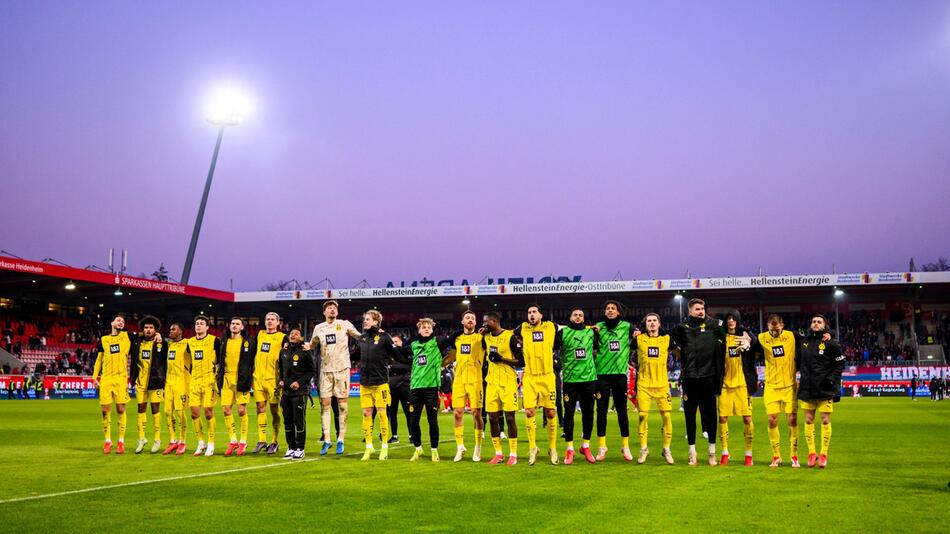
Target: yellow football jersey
x,y
112,358
469,358
500,373
734,377
779,359
538,346
204,360
268,355
652,356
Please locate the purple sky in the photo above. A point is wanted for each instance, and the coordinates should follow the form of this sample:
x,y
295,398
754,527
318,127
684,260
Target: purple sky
x,y
450,139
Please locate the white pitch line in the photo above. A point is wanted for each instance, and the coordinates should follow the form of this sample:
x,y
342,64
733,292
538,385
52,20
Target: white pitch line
x,y
172,479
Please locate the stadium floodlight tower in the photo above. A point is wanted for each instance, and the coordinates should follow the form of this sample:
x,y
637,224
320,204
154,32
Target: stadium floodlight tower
x,y
227,107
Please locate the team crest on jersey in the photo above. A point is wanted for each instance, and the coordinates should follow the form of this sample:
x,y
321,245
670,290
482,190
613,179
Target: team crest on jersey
x,y
778,351
331,339
265,346
537,336
338,328
465,348
114,348
375,340
702,327
821,346
614,345
653,352
199,354
146,354
246,345
296,357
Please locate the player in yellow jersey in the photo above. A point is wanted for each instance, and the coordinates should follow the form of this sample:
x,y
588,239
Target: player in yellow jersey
x,y
469,354
266,392
206,351
234,379
538,384
503,350
177,379
779,347
739,384
653,384
111,373
148,376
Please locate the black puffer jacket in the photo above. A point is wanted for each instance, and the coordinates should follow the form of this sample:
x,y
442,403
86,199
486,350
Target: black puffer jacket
x,y
820,363
701,343
295,365
156,370
375,352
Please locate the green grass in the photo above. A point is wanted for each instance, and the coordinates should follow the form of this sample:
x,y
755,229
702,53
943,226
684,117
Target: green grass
x,y
889,471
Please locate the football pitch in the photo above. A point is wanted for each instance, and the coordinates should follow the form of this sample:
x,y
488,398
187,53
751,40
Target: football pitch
x,y
888,470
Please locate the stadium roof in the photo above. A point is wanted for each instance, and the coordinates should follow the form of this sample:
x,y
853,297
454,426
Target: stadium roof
x,y
46,282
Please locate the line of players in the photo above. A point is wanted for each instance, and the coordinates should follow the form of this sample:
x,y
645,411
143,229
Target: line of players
x,y
196,374
717,360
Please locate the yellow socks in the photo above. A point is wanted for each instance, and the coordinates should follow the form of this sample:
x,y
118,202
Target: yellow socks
x,y
460,435
276,425
229,423
667,429
724,437
774,441
810,437
570,445
122,420
552,433
384,428
793,441
107,425
198,431
496,442
642,428
532,425
602,442
478,436
262,427
157,426
212,425
625,442
748,433
513,446
170,421
140,420
368,430
825,437
243,427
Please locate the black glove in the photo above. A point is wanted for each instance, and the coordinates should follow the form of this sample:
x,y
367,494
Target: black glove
x,y
494,357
